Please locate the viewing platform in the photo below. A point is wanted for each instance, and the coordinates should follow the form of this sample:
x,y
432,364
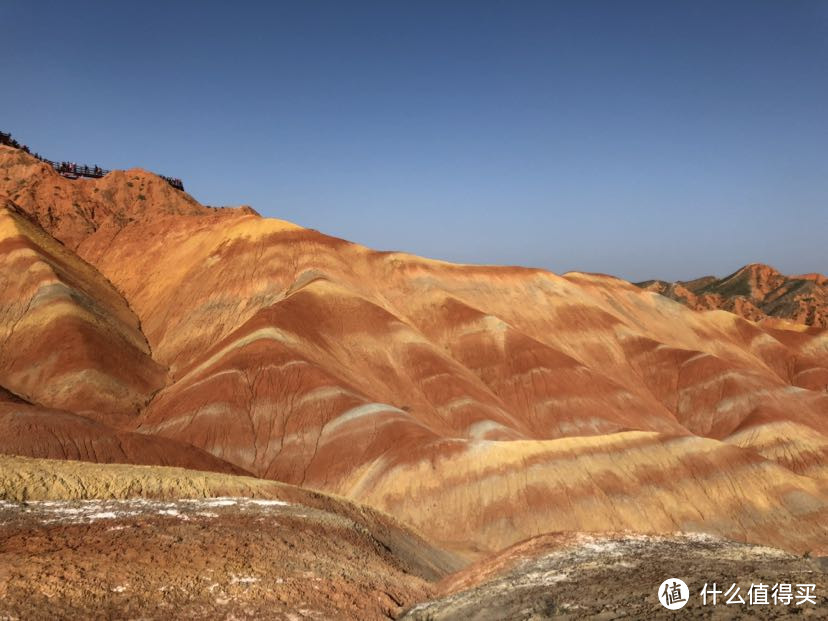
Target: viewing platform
x,y
71,170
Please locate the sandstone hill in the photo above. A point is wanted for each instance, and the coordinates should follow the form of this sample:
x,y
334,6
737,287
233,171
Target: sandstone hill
x,y
480,405
755,292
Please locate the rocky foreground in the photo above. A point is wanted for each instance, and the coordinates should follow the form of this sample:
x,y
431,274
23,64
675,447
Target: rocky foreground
x,y
242,558
138,551
213,558
580,576
88,541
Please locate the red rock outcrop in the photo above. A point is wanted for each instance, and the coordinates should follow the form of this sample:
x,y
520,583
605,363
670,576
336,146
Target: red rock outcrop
x,y
754,292
72,210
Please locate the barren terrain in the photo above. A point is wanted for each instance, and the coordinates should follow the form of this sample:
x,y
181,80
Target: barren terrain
x,y
157,544
613,576
756,292
415,415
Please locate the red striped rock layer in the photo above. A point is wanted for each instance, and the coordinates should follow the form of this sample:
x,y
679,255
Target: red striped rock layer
x,y
403,382
629,481
33,431
482,404
68,339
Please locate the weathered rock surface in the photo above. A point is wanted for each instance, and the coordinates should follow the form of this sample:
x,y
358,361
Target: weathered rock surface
x,y
610,576
754,292
285,552
74,210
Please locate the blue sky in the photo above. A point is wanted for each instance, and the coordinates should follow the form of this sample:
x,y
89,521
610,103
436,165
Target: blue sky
x,y
641,139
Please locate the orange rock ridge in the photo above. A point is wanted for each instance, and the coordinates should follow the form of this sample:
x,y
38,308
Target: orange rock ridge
x,y
756,292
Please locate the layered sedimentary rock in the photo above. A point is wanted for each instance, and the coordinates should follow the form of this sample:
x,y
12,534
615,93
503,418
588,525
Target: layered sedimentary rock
x,y
755,292
73,210
481,404
68,340
630,481
34,431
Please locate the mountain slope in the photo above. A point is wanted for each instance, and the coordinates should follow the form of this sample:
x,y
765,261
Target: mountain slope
x,y
482,404
755,292
68,340
33,431
73,210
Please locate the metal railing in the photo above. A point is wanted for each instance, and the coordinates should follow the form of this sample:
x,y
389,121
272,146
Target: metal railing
x,y
70,170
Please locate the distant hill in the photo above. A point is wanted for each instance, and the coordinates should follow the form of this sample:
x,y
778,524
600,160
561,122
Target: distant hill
x,y
754,292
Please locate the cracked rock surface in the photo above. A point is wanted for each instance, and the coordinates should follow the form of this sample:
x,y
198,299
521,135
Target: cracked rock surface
x,y
580,576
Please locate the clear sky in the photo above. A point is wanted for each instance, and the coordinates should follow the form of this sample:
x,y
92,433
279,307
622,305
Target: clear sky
x,y
664,139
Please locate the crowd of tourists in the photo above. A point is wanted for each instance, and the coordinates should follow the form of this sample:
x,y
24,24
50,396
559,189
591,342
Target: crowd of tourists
x,y
72,170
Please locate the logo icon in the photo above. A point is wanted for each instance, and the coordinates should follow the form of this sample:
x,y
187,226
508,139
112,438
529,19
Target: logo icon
x,y
673,594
